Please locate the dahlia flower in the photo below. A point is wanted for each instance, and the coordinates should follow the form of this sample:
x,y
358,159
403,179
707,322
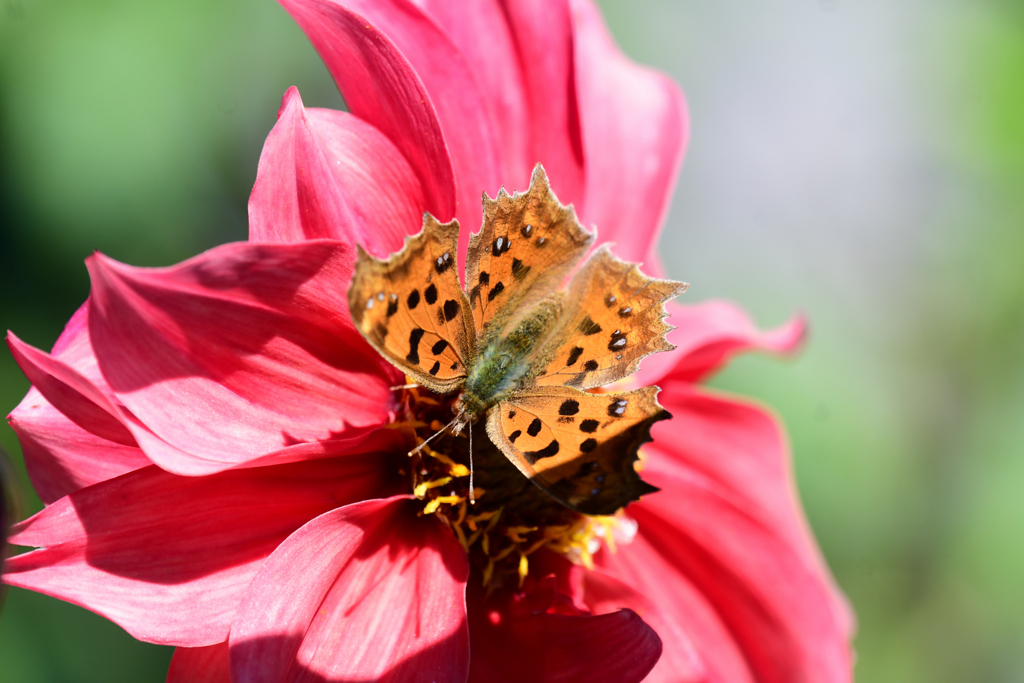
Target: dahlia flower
x,y
224,460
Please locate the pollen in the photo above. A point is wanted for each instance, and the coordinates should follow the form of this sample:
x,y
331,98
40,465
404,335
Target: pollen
x,y
508,519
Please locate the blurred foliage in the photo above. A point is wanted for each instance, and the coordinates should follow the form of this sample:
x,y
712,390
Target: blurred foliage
x,y
134,128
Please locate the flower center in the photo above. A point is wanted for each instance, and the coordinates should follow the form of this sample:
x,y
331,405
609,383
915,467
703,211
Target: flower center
x,y
508,518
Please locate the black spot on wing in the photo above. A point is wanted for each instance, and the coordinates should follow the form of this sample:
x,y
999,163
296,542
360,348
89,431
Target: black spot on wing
x,y
618,341
546,452
534,428
588,327
574,355
435,368
511,414
439,346
431,294
625,311
414,346
589,426
610,300
414,299
451,309
588,445
526,230
495,291
443,262
617,407
484,278
590,365
514,435
519,271
500,246
393,305
569,407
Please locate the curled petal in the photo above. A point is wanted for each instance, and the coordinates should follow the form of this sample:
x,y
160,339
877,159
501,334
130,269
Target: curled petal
x,y
167,557
328,174
365,592
382,88
239,352
634,129
709,334
200,665
539,639
60,456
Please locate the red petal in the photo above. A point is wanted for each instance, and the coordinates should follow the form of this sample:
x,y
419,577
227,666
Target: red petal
x,y
448,78
200,665
366,592
239,352
725,529
60,456
709,334
169,558
78,399
326,173
542,34
381,88
483,37
510,644
634,128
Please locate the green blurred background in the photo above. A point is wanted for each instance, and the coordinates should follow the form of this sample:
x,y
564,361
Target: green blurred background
x,y
860,161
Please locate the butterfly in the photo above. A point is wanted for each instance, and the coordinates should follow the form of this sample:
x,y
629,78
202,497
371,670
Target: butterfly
x,y
521,352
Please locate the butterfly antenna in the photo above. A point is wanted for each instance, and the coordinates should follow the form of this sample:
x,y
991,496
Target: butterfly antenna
x,y
434,436
403,386
472,496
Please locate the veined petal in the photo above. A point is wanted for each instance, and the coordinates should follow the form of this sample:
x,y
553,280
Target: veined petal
x,y
365,592
200,665
634,129
512,643
709,334
239,352
328,174
60,456
167,557
382,88
543,38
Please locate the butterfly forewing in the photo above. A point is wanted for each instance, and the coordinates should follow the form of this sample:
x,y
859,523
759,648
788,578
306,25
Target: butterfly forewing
x,y
615,318
577,446
528,244
412,309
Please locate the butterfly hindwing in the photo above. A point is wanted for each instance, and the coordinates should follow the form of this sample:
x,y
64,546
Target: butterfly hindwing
x,y
577,446
528,244
412,309
616,317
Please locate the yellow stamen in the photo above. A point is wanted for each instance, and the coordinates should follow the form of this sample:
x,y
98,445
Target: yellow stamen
x,y
424,486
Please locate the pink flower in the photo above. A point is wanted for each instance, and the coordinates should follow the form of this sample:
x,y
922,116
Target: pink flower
x,y
212,439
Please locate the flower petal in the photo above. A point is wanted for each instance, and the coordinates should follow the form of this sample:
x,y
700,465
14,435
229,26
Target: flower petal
x,y
542,35
461,109
512,643
365,592
709,334
78,399
60,456
326,173
200,665
634,128
239,352
381,87
483,37
725,529
167,557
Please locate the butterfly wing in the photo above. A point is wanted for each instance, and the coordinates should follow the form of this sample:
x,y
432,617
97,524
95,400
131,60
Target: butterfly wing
x,y
577,446
615,318
528,244
412,309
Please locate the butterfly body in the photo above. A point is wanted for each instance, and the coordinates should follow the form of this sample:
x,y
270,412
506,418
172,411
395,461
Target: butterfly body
x,y
520,353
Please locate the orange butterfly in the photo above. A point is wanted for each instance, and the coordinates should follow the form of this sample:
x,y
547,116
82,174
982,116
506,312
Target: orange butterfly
x,y
521,351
